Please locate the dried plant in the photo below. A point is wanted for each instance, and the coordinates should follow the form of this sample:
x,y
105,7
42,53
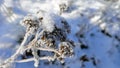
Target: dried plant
x,y
42,34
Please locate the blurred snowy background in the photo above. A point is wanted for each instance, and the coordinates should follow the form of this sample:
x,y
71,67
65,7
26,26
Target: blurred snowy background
x,y
95,24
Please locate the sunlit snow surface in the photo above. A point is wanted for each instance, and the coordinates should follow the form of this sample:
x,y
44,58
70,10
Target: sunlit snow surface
x,y
87,16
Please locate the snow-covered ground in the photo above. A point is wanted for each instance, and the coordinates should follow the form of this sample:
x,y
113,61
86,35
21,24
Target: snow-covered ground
x,y
94,25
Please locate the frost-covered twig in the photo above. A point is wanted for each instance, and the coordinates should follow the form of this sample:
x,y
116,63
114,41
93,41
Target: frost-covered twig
x,y
18,52
32,59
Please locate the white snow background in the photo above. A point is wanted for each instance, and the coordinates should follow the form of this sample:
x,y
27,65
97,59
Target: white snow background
x,y
88,17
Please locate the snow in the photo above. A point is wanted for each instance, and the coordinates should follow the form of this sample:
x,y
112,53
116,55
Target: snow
x,y
85,17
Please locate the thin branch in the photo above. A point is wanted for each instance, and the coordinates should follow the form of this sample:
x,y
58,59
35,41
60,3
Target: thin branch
x,y
32,59
48,49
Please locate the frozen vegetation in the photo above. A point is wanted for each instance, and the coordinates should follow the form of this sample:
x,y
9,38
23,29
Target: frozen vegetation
x,y
59,33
